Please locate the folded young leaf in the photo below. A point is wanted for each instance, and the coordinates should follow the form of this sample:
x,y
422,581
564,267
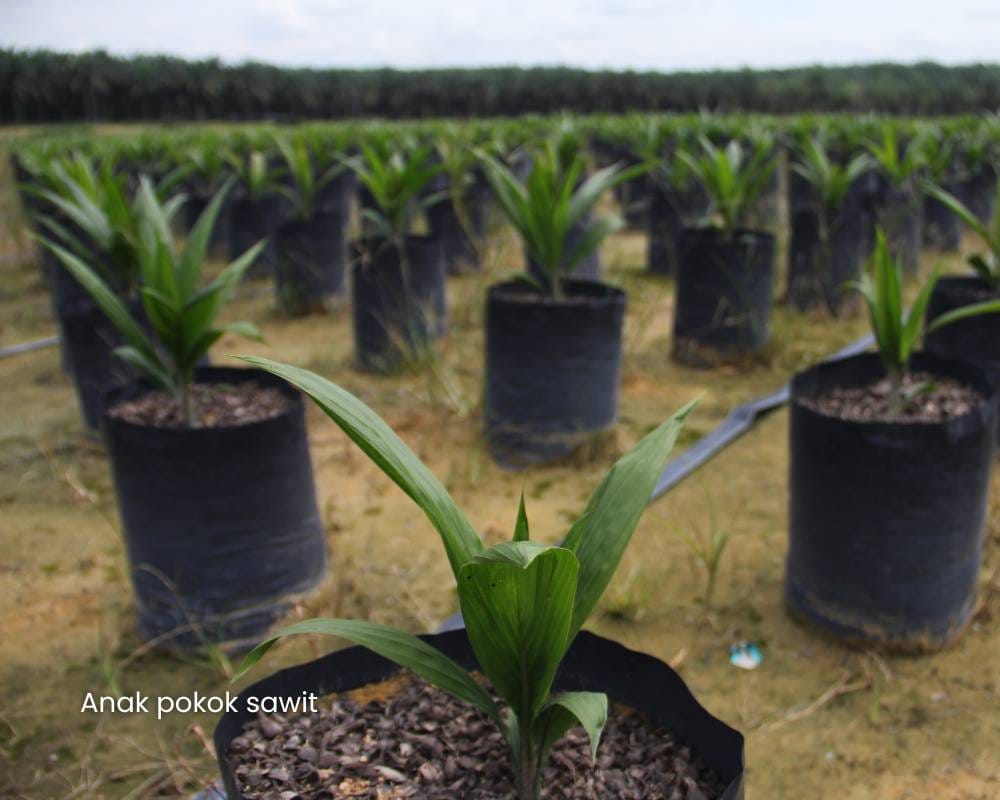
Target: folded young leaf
x,y
564,711
517,603
521,532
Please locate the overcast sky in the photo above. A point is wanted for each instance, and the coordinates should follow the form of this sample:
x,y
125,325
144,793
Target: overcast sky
x,y
642,34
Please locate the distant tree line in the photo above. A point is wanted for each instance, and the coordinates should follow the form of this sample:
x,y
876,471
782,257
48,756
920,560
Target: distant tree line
x,y
41,86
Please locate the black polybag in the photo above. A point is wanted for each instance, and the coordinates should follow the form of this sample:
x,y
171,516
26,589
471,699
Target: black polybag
x,y
311,262
724,294
252,219
886,520
819,274
975,339
552,368
592,663
399,305
221,524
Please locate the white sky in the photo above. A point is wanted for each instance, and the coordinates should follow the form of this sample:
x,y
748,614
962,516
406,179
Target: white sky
x,y
642,34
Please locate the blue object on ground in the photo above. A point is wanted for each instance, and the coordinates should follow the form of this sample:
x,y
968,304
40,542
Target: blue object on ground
x,y
745,655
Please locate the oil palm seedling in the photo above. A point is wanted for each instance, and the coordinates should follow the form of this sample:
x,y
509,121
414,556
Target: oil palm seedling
x,y
78,200
256,174
46,168
552,203
733,176
830,180
458,219
760,134
181,313
901,209
676,201
307,181
98,219
631,141
979,166
398,278
523,602
208,439
870,507
987,264
510,147
898,160
725,271
150,153
91,214
978,338
826,230
204,160
942,227
898,333
330,149
258,205
311,245
547,393
31,167
395,177
458,161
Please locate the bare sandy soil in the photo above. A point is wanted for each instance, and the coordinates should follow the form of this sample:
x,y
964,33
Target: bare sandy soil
x,y
821,720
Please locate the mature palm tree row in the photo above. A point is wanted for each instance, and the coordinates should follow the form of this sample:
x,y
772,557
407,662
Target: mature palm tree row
x,y
44,86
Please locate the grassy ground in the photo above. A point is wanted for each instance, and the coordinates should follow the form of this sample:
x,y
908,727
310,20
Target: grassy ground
x,y
820,720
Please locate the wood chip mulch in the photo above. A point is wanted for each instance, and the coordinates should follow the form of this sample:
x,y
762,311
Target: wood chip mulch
x,y
927,399
218,405
422,743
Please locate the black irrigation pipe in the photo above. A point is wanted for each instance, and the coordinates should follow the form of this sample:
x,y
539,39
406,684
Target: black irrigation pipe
x,y
740,420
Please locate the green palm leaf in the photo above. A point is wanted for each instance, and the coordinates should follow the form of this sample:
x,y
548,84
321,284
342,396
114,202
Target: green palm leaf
x,y
401,648
380,443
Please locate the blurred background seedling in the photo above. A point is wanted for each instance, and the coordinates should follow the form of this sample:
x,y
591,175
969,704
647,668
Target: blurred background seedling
x,y
707,546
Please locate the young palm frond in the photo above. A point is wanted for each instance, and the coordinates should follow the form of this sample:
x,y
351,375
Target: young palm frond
x,y
898,162
181,313
306,183
732,176
395,179
254,173
897,333
830,180
986,265
552,202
